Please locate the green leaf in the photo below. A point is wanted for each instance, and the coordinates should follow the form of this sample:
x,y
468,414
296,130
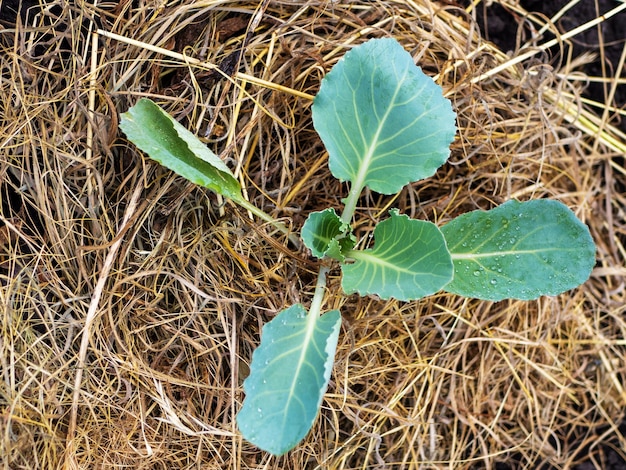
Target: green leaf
x,y
159,135
288,377
383,121
326,235
519,250
409,261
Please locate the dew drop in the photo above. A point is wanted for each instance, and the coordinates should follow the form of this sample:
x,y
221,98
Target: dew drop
x,y
493,282
477,273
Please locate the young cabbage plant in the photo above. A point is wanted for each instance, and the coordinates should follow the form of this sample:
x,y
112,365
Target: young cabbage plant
x,y
385,124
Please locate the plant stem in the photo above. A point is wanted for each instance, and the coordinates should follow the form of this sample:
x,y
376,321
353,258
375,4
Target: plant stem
x,y
320,289
350,202
293,238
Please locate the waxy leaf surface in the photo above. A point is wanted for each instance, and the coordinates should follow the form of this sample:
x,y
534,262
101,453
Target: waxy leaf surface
x,y
288,377
160,136
409,261
383,121
519,250
326,235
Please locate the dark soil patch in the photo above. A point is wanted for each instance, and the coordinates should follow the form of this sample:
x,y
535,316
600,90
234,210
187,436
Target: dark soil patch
x,y
499,25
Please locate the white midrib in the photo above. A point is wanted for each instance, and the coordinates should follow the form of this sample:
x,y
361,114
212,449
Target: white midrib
x,y
309,332
306,343
491,254
359,181
368,258
369,156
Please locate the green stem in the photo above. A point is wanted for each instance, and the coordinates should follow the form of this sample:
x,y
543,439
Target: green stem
x,y
351,200
293,238
320,289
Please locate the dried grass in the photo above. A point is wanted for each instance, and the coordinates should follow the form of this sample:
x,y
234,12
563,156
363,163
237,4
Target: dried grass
x,y
168,288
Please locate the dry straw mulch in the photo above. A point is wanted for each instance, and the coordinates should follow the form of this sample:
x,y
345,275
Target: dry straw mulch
x,y
131,301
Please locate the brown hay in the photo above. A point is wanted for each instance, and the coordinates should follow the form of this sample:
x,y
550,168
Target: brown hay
x,y
179,284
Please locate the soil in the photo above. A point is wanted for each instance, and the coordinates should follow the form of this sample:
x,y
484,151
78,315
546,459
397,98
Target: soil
x,y
606,41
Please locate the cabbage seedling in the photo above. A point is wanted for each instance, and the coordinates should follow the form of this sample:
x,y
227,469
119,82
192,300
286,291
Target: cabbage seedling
x,y
385,124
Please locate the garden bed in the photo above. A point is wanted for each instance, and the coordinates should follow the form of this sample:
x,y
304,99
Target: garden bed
x,y
176,283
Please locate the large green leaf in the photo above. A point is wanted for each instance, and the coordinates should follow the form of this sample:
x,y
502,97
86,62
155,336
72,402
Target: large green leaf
x,y
288,377
383,121
519,250
326,235
159,135
409,261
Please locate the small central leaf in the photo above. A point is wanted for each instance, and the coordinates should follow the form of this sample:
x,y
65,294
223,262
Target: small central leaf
x,y
326,235
409,261
383,121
